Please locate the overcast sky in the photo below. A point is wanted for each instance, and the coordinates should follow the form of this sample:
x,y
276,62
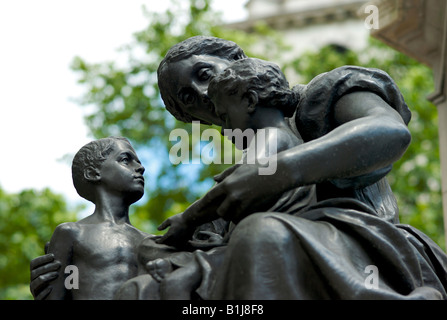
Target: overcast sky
x,y
39,124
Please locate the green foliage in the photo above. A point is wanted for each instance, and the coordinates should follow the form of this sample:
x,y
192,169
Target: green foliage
x,y
28,220
126,102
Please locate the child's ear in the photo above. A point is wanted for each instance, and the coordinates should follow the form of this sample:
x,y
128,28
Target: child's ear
x,y
252,98
92,174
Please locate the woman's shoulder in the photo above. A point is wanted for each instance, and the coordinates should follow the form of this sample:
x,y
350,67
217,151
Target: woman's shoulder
x,y
317,99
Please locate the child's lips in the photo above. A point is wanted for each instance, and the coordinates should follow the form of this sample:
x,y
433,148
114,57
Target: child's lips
x,y
139,179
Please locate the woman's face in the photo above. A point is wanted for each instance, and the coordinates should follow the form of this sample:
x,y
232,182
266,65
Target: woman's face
x,y
189,84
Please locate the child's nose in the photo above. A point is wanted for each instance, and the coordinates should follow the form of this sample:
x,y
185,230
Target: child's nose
x,y
140,169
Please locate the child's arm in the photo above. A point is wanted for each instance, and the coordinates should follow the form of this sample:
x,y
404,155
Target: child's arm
x,y
61,245
269,142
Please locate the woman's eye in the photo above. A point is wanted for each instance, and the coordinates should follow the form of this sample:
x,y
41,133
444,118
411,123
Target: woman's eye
x,y
204,74
125,160
188,99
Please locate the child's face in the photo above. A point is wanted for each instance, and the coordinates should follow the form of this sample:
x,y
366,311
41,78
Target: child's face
x,y
122,172
233,111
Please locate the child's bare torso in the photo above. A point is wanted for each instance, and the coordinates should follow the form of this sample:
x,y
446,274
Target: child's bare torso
x,y
106,256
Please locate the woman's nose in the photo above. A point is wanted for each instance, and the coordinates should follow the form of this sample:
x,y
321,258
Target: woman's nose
x,y
205,98
202,91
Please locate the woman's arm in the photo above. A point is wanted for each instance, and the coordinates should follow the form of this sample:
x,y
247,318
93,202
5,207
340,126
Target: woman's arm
x,y
183,225
368,135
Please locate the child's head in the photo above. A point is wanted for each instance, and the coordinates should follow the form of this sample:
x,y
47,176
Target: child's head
x,y
255,82
89,160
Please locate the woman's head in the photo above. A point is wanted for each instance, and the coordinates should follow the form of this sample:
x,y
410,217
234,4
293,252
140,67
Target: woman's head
x,y
185,72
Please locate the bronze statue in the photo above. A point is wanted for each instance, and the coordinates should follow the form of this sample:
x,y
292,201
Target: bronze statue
x,y
351,125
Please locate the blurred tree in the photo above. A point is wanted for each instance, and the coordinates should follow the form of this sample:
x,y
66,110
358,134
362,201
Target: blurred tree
x,y
28,220
126,102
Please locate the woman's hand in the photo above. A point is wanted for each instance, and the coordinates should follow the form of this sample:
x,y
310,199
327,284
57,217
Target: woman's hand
x,y
179,232
221,176
243,191
43,271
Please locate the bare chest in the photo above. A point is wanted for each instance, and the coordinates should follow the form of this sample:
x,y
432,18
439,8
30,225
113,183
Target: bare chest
x,y
104,246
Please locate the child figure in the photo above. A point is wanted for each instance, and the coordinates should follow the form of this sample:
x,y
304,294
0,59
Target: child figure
x,y
102,246
250,94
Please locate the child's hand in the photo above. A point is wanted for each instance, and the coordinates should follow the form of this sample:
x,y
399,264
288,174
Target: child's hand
x,y
159,268
179,232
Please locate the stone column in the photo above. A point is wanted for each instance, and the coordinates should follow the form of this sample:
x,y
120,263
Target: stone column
x,y
439,98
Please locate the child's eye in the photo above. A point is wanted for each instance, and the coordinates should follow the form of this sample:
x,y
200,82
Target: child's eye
x,y
223,117
125,160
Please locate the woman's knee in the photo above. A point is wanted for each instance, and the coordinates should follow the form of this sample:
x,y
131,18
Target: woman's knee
x,y
260,229
142,287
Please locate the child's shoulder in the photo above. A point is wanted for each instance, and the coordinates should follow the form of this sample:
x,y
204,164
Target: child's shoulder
x,y
283,138
67,229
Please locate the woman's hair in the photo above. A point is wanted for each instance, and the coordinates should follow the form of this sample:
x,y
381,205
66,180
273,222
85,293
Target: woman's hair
x,y
264,77
198,45
91,155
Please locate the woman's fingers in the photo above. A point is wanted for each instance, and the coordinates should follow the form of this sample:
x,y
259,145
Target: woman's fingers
x,y
164,224
221,176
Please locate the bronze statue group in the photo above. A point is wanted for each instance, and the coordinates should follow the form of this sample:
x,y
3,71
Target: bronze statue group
x,y
307,231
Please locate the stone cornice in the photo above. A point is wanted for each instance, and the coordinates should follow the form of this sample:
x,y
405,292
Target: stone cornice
x,y
412,27
329,12
417,28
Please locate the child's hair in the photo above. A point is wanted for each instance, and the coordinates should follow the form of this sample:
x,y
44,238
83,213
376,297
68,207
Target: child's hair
x,y
92,155
264,77
198,45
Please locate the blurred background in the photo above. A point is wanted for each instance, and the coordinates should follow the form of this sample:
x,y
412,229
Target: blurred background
x,y
75,71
